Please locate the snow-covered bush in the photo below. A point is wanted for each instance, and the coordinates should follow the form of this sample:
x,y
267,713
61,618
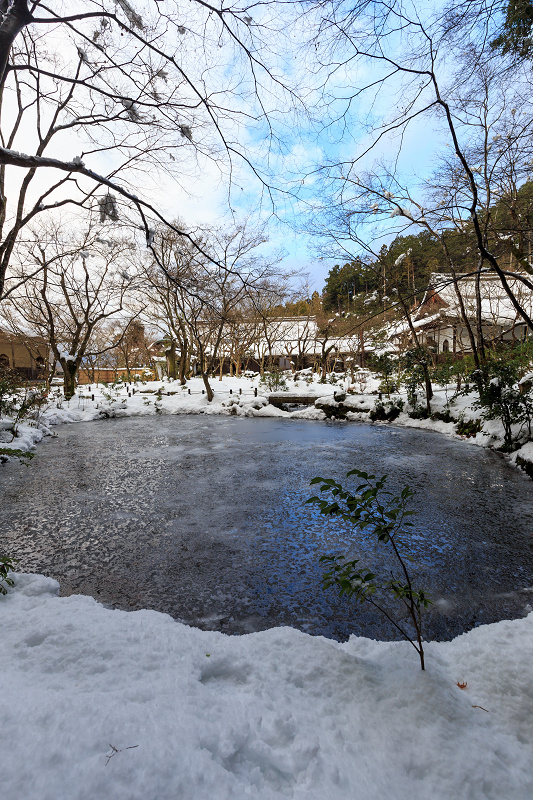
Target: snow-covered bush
x,y
500,397
386,412
19,402
8,390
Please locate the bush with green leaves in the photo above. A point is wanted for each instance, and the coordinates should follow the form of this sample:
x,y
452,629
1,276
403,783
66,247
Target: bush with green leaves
x,y
416,375
274,381
24,456
386,412
372,506
443,416
29,404
19,402
6,565
386,365
468,427
9,385
499,397
419,412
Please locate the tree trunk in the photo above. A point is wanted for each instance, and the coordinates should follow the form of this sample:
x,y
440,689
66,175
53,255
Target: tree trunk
x,y
427,379
15,17
208,389
479,317
203,371
70,369
171,360
184,358
464,317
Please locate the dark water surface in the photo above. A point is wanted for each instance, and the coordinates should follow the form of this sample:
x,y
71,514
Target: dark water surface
x,y
204,518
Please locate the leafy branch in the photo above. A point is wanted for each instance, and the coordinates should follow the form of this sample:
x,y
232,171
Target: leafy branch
x,y
373,506
6,565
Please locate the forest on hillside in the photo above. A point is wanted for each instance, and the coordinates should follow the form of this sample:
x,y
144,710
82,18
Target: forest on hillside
x,y
406,264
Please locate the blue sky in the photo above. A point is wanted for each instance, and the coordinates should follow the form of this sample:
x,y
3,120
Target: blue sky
x,y
305,143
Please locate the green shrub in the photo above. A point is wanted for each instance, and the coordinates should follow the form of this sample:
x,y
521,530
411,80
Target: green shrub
x,y
386,366
8,391
416,375
372,506
500,397
6,565
386,412
443,416
23,455
419,412
20,402
469,427
274,381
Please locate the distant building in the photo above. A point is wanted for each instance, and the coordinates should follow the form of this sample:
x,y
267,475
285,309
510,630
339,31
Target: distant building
x,y
25,355
439,322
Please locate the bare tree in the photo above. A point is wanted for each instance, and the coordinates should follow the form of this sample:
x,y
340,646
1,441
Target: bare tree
x,y
429,75
80,284
131,346
202,302
139,95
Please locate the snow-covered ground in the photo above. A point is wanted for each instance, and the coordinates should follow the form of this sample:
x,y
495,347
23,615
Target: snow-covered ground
x,y
100,703
135,706
238,396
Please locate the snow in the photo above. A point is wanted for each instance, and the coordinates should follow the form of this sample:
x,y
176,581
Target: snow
x,y
496,307
111,704
168,397
102,703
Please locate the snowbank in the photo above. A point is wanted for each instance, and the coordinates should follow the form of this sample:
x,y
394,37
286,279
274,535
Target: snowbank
x,y
247,397
109,704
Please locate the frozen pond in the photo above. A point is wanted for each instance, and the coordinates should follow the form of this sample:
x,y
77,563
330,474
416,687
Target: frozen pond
x,y
204,518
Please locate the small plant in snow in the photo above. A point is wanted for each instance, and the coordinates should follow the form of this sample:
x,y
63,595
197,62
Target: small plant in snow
x,y
24,456
274,381
444,374
109,396
372,506
6,565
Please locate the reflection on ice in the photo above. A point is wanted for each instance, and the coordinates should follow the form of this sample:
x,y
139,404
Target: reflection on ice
x,y
205,518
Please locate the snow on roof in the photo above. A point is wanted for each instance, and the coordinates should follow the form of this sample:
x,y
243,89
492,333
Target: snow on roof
x,y
399,328
496,306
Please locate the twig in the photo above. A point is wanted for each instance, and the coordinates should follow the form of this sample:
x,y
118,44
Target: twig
x,y
115,751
